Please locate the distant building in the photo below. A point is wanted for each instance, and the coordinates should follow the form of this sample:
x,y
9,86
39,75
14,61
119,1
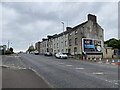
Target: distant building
x,y
73,40
50,44
37,46
44,46
108,52
89,29
2,49
60,42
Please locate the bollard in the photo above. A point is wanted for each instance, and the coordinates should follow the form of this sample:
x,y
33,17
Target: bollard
x,y
100,60
113,62
107,62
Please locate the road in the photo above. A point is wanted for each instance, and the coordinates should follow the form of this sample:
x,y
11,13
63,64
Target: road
x,y
70,73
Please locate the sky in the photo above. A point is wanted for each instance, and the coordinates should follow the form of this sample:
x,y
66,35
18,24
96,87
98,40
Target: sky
x,y
24,23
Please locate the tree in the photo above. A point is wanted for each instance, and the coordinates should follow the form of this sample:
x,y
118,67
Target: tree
x,y
31,48
11,49
114,43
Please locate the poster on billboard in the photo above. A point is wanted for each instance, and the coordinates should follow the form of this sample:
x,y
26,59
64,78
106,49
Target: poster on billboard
x,y
91,45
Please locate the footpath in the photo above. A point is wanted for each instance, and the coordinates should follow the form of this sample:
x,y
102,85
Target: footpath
x,y
19,78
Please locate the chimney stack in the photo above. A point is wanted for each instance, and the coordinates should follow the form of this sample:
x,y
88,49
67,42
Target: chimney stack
x,y
92,18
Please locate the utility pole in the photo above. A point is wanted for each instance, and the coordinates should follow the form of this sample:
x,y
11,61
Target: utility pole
x,y
8,44
63,36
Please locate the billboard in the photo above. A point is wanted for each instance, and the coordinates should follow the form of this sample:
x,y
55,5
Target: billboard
x,y
91,45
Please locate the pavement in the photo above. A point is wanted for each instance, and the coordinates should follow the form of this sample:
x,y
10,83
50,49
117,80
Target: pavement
x,y
15,75
21,79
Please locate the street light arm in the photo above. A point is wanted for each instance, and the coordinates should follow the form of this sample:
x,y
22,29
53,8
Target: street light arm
x,y
62,22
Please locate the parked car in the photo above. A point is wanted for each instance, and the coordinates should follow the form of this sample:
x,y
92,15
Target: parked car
x,y
36,52
61,55
48,54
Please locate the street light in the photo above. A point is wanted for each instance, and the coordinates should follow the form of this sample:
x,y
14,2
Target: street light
x,y
63,36
8,44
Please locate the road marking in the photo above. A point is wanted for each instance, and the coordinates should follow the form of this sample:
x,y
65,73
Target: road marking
x,y
79,68
61,63
117,83
10,56
69,65
98,73
17,56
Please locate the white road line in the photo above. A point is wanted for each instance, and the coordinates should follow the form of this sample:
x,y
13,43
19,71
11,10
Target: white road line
x,y
17,56
80,68
68,65
98,73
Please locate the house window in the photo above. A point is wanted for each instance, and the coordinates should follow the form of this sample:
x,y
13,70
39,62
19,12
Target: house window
x,y
54,51
65,36
75,49
57,45
54,45
88,28
47,50
106,51
62,50
76,41
70,42
47,44
69,50
66,50
76,32
65,43
101,36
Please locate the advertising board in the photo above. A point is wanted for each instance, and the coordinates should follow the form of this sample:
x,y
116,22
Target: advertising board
x,y
91,45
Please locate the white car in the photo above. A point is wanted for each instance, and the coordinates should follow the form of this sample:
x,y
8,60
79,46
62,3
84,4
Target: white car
x,y
61,55
36,52
48,54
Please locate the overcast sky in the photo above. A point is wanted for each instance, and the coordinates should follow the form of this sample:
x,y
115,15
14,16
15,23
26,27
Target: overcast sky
x,y
24,23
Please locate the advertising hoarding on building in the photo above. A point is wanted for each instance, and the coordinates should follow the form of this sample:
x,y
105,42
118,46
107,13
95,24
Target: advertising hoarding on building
x,y
92,45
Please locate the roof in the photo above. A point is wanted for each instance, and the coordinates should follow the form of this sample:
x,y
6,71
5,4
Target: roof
x,y
55,36
69,29
80,25
44,39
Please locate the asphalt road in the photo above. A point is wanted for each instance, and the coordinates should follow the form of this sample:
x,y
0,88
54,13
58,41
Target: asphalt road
x,y
66,73
70,73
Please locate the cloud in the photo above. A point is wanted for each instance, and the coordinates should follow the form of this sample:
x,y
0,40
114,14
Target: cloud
x,y
25,23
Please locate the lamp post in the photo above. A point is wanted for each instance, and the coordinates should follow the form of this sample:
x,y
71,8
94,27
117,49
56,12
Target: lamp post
x,y
63,36
8,44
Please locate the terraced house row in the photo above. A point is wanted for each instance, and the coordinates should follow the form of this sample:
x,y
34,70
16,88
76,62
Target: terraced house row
x,y
76,41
